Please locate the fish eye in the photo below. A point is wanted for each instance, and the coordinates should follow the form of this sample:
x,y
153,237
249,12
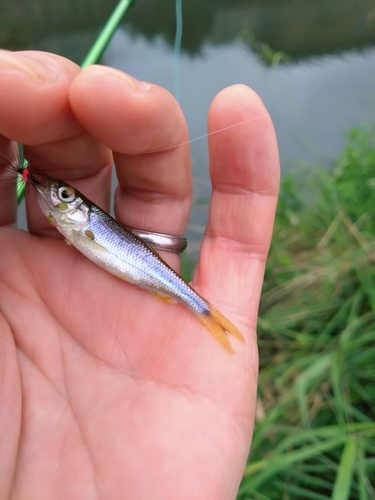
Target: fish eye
x,y
66,194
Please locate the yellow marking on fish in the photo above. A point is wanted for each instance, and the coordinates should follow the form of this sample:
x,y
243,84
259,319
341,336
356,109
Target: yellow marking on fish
x,y
61,206
164,297
90,234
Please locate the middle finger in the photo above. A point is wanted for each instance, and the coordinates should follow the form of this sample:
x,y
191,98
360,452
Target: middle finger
x,y
134,119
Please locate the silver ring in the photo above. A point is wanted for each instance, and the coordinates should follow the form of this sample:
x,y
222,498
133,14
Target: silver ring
x,y
161,241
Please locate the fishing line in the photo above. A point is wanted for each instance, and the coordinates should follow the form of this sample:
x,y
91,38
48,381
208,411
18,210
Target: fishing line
x,y
177,51
209,134
23,164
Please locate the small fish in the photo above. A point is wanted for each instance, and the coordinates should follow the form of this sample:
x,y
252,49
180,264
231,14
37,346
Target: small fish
x,y
104,241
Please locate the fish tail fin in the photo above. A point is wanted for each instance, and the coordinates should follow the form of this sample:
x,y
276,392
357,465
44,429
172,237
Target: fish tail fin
x,y
218,325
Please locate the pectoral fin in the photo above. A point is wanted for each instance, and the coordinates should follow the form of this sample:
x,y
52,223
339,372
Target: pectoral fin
x,y
87,240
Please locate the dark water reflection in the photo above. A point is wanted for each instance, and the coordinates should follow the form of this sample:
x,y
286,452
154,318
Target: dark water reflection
x,y
300,28
325,87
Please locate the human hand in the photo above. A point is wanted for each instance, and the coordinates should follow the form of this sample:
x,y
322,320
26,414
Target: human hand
x,y
105,391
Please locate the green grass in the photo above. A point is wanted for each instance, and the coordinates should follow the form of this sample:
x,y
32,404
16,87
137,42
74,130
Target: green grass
x,y
315,431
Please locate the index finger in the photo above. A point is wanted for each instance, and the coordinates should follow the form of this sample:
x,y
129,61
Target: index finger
x,y
35,111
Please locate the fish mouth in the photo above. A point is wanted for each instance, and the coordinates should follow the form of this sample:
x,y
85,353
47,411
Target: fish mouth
x,y
42,186
42,182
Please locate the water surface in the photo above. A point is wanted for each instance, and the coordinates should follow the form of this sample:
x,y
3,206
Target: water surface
x,y
312,63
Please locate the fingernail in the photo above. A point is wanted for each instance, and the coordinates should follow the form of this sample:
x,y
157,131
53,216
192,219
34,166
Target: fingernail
x,y
11,61
132,82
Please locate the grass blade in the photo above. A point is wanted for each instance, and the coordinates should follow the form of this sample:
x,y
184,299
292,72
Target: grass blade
x,y
344,476
307,379
271,467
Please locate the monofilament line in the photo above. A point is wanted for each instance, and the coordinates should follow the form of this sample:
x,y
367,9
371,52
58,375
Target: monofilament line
x,y
207,135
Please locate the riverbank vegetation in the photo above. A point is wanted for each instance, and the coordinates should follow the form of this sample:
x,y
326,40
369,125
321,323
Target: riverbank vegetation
x,y
315,431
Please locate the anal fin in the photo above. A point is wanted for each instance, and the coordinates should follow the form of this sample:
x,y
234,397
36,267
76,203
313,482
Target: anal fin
x,y
164,297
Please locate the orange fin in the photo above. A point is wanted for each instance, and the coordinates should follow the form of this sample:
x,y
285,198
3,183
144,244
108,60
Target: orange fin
x,y
164,297
219,326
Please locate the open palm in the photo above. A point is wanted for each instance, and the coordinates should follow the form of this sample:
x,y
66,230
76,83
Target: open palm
x,y
105,391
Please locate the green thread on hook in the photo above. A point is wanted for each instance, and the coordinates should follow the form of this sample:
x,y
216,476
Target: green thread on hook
x,y
21,184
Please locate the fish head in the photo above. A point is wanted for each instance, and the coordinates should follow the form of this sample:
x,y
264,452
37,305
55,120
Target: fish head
x,y
61,203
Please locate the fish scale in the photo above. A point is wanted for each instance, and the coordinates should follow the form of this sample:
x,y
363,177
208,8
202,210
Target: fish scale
x,y
140,264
